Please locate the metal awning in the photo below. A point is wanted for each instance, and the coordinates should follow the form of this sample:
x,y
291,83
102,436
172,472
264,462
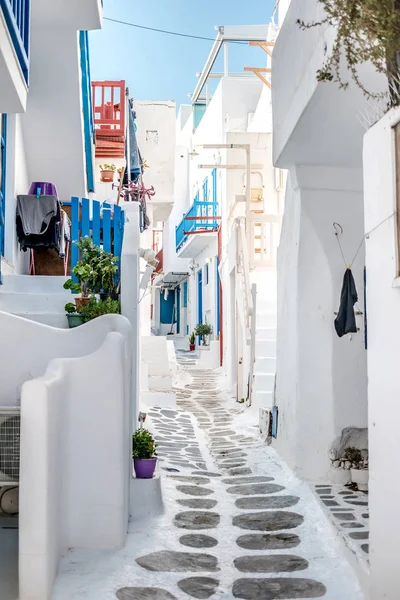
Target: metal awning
x,y
174,278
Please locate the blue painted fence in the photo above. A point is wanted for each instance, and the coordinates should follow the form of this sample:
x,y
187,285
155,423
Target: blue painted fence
x,y
17,14
192,221
103,223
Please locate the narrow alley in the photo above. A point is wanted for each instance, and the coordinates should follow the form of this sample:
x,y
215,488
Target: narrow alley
x,y
236,523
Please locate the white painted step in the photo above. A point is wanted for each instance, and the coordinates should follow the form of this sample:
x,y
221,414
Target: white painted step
x,y
32,284
265,365
58,320
266,333
266,348
19,302
264,382
263,399
266,305
266,320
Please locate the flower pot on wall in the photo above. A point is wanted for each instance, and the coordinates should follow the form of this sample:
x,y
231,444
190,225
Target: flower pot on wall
x,y
192,347
79,302
360,477
145,467
107,176
74,320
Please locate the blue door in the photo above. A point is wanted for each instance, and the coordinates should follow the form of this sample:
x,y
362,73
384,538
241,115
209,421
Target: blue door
x,y
178,309
3,142
218,284
200,297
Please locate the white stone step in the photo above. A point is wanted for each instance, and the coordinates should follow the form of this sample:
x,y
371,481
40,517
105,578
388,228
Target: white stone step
x,y
263,399
266,333
266,320
264,382
58,320
265,348
266,305
265,365
19,302
32,284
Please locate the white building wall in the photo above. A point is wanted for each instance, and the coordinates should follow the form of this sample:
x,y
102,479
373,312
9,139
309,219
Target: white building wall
x,y
383,314
327,390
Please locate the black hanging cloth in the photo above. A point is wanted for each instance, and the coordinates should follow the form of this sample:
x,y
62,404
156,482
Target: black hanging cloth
x,y
345,321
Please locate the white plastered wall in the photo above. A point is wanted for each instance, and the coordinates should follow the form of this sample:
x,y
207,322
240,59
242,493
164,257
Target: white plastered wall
x,y
383,306
75,436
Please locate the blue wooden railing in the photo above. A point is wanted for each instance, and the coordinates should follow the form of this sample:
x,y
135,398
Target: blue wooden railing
x,y
17,17
104,226
193,221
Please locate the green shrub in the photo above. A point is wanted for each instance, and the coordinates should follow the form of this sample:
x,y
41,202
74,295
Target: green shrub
x,y
143,445
97,308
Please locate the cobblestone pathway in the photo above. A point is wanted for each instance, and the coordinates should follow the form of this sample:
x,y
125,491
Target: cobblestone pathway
x,y
241,534
237,523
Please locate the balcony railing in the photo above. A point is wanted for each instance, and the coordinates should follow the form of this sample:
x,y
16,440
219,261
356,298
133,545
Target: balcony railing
x,y
109,107
202,215
17,17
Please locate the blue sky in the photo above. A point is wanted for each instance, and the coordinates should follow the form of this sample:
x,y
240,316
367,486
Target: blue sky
x,y
163,67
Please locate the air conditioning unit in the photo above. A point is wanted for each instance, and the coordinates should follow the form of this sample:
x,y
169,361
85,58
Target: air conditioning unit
x,y
10,431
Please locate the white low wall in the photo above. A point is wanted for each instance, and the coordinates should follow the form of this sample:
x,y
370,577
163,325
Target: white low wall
x,y
75,462
27,348
383,312
154,352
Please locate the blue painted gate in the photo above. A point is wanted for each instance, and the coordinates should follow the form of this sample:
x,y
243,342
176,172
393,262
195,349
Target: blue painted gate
x,y
103,223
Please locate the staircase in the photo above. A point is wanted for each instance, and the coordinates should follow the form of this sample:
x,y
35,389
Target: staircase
x,y
37,298
265,349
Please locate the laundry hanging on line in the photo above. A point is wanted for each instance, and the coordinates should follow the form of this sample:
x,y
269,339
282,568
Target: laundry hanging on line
x,y
345,321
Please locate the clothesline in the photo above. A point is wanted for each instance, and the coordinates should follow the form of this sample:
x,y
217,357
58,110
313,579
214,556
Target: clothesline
x,y
339,230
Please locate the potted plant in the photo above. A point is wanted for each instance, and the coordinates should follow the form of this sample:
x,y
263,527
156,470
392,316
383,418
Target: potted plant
x,y
203,330
96,308
74,318
144,454
192,341
107,173
358,469
82,273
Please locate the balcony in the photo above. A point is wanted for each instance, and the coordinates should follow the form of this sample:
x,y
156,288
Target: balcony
x,y
312,119
199,224
68,14
109,118
14,54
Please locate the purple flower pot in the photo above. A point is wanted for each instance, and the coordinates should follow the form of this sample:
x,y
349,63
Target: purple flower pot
x,y
145,467
46,188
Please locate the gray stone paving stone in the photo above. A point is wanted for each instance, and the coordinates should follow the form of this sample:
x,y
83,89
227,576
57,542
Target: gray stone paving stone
x,y
204,503
330,503
359,535
197,540
168,561
278,588
253,489
199,587
252,479
268,520
278,541
240,471
140,593
365,548
197,520
261,502
351,525
190,479
344,516
208,474
279,563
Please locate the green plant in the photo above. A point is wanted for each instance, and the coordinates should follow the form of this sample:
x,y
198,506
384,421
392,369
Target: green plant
x,y
96,308
95,271
353,455
143,445
203,330
192,338
70,308
367,31
108,168
82,272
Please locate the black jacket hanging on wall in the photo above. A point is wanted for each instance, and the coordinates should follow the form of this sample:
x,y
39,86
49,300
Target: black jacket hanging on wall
x,y
345,321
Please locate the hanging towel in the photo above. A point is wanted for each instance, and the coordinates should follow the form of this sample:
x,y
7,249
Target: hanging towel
x,y
65,233
133,157
345,321
36,213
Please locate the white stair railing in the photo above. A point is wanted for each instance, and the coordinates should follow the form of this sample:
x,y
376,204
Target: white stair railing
x,y
264,239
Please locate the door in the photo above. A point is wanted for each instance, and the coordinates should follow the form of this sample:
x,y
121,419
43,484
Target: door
x,y
3,141
200,297
178,310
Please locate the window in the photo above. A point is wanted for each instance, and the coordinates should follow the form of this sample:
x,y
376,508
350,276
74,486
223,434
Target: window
x,y
206,269
3,141
185,294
